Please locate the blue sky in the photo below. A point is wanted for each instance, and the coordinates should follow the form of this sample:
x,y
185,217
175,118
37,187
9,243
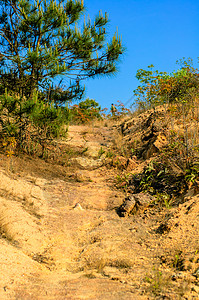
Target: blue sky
x,y
154,32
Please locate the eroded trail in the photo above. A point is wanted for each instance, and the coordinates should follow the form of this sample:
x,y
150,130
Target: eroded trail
x,y
63,239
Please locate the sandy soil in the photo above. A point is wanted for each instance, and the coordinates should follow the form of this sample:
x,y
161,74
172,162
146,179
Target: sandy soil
x,y
61,236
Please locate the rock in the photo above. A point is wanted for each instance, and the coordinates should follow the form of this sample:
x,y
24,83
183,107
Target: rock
x,y
134,203
146,133
131,164
124,163
80,176
160,141
195,288
40,182
88,163
77,206
196,273
127,207
120,162
94,150
29,194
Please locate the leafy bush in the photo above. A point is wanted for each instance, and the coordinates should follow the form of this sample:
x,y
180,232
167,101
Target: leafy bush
x,y
160,87
85,111
31,122
41,43
160,179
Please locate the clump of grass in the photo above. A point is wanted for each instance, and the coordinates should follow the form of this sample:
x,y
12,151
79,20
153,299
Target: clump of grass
x,y
122,180
101,152
158,282
178,261
110,154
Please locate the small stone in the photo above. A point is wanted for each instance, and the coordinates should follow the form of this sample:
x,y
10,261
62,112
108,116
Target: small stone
x,y
195,288
81,176
127,207
160,141
88,163
77,206
134,203
131,164
196,273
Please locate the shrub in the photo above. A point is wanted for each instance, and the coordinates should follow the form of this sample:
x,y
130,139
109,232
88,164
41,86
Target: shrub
x,y
85,111
30,121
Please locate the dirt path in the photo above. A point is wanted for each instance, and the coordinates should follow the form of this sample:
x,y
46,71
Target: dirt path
x,y
62,238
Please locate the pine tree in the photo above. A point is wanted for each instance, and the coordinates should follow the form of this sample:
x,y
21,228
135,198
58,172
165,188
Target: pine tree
x,y
41,42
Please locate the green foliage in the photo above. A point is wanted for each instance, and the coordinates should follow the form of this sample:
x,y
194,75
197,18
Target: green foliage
x,y
159,282
192,173
85,111
146,93
159,179
160,87
164,199
31,122
101,152
110,154
177,86
41,41
123,180
13,111
156,281
49,118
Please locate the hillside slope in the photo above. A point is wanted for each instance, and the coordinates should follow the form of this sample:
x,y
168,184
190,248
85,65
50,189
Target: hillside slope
x,y
63,236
